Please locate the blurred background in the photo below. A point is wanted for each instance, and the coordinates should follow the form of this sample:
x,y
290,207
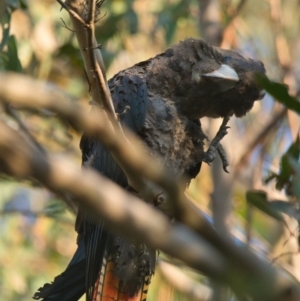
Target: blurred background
x,y
37,237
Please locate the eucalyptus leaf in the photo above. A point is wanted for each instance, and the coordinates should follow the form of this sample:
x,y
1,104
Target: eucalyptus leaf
x,y
270,177
286,207
5,24
23,4
286,170
168,18
258,199
13,4
13,63
286,173
55,207
280,93
296,178
132,21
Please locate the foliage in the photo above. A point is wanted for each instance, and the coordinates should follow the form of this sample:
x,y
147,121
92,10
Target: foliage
x,y
288,171
259,200
288,177
34,41
280,93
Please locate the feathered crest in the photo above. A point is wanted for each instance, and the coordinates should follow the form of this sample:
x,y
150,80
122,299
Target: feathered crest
x,y
203,49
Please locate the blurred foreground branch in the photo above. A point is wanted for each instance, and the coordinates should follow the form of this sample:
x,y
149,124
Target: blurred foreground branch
x,y
189,287
119,208
218,256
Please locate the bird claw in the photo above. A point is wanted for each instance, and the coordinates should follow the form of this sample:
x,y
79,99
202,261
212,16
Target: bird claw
x,y
223,157
225,169
215,146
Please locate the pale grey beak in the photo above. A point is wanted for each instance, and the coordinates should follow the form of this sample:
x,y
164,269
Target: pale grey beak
x,y
224,72
226,77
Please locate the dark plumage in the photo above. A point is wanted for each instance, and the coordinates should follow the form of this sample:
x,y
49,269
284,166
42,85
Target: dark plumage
x,y
167,95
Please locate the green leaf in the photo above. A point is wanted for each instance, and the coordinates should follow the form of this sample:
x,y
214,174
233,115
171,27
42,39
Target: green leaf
x,y
23,4
270,177
168,18
279,92
55,207
5,24
286,207
13,63
286,169
13,4
258,199
71,53
131,21
287,172
108,27
296,178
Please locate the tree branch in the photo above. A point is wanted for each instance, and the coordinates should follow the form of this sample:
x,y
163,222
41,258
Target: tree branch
x,y
210,21
90,51
10,111
235,12
121,210
71,12
99,90
181,282
60,175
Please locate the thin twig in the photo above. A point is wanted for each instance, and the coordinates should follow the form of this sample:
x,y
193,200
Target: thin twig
x,y
98,81
99,19
91,14
71,12
10,111
65,25
274,259
91,54
262,135
229,30
281,43
235,13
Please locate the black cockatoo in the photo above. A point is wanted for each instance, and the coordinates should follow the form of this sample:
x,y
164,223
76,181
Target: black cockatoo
x,y
166,95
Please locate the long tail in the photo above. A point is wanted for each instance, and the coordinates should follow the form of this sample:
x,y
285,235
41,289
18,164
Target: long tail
x,y
70,285
109,288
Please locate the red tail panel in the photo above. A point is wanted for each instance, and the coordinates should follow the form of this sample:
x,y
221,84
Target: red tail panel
x,y
107,287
